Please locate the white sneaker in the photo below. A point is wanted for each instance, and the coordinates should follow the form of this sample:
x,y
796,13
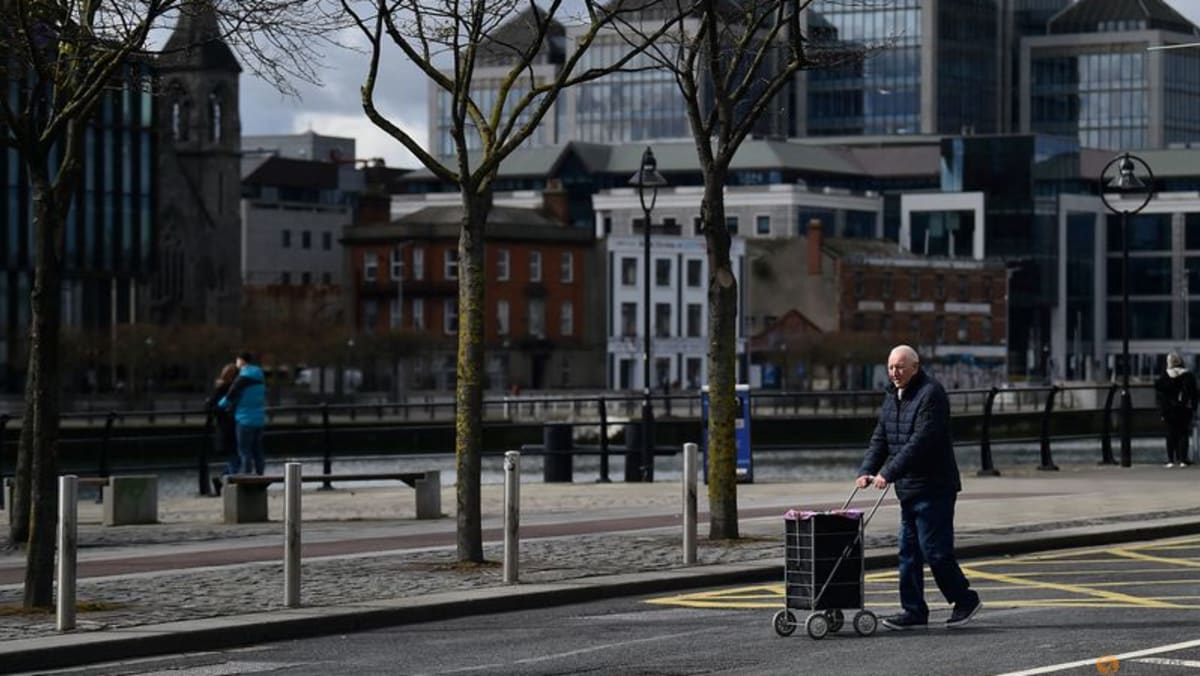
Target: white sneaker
x,y
1169,464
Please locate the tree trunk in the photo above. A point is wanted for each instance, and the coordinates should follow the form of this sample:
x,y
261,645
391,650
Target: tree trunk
x,y
722,363
468,435
41,398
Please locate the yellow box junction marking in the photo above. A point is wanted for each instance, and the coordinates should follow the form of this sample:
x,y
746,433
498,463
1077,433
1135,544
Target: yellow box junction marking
x,y
1079,595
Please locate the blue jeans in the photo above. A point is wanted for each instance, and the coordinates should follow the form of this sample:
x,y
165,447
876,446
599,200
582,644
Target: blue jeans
x,y
927,536
250,449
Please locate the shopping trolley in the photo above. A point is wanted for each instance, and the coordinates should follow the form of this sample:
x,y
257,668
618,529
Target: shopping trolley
x,y
823,570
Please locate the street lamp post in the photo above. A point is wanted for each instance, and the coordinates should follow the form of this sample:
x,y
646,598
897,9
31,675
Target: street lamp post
x,y
647,176
1125,184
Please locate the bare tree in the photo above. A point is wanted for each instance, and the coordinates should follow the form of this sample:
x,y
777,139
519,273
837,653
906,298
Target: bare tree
x,y
62,57
730,61
490,58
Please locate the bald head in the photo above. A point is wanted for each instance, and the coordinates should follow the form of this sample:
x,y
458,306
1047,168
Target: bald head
x,y
903,363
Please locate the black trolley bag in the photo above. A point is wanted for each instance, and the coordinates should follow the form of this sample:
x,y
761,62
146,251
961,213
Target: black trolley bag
x,y
823,570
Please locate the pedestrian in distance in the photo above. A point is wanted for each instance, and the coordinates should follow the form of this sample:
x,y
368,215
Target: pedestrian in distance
x,y
246,399
226,437
1177,398
912,449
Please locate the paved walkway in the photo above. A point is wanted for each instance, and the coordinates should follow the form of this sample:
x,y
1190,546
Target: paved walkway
x,y
191,581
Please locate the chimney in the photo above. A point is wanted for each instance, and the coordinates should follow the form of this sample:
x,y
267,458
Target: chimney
x,y
554,202
815,238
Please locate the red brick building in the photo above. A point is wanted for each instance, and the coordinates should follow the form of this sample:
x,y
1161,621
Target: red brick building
x,y
537,329
868,294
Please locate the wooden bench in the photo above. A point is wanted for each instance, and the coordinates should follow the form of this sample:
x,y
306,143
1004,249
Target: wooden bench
x,y
128,499
245,495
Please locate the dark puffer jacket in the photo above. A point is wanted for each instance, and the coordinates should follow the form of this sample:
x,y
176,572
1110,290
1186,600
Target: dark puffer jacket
x,y
911,445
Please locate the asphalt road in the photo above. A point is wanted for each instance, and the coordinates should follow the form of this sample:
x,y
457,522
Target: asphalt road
x,y
1133,609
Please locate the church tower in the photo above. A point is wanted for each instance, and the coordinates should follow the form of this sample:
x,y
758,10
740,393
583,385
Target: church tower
x,y
197,280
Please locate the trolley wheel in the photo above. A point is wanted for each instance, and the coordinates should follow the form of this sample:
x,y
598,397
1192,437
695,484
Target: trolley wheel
x,y
836,620
865,623
817,626
784,622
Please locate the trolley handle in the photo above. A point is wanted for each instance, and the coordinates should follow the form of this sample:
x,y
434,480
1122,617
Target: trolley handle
x,y
875,507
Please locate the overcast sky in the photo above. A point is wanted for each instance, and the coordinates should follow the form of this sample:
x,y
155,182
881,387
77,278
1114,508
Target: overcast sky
x,y
335,109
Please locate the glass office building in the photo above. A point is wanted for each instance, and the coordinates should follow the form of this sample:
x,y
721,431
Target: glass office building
x,y
109,231
1096,76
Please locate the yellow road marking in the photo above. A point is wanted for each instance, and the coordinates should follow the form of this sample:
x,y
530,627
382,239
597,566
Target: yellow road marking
x,y
1084,591
1138,556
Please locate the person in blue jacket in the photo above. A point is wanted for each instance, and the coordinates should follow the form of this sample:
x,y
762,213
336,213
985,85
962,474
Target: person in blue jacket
x,y
911,448
246,399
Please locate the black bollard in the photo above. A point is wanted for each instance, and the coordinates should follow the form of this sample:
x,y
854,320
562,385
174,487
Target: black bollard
x,y
603,443
557,456
986,468
1106,453
633,451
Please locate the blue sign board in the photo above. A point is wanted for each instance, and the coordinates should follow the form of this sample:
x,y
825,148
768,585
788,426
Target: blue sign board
x,y
741,433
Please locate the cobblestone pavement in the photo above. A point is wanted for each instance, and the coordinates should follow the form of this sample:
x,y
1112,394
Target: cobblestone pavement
x,y
1018,505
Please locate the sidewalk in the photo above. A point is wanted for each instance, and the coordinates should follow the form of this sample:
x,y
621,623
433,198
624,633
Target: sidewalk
x,y
192,583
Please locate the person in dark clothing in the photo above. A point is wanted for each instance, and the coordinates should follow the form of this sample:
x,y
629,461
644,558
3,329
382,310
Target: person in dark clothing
x,y
226,437
246,399
911,448
1177,399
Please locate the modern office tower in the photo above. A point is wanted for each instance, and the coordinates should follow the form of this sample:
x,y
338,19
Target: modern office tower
x,y
1101,74
1022,18
107,238
929,66
196,280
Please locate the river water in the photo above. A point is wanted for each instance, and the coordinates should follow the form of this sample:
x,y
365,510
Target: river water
x,y
769,466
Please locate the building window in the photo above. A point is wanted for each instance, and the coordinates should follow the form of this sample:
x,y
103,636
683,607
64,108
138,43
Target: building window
x,y
535,266
418,314
285,278
502,262
450,316
662,320
395,314
914,286
963,330
502,317
963,288
694,315
629,327
694,268
608,225
287,239
306,278
697,226
214,117
885,289
987,288
731,224
662,272
370,266
450,264
567,319
693,373
370,314
567,271
326,278
885,325
306,239
762,225
418,256
327,241
629,272
397,264
939,286
939,330
914,329
537,318
859,289
986,338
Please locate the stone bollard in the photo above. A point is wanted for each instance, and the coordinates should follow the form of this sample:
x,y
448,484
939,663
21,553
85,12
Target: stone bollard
x,y
131,499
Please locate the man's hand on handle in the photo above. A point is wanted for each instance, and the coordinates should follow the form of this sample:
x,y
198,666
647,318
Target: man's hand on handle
x,y
878,480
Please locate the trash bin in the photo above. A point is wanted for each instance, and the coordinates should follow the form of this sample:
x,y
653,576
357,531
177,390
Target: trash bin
x,y
557,458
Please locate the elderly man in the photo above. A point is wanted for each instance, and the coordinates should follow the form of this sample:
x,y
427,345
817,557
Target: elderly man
x,y
911,448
